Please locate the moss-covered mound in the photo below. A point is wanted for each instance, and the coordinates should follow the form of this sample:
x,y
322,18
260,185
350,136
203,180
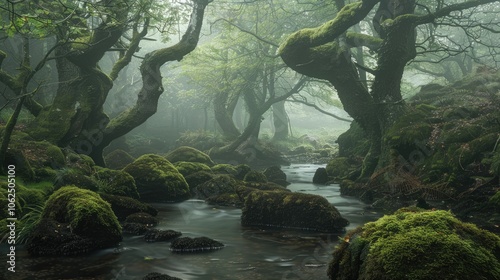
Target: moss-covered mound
x,y
67,176
188,244
156,235
187,168
221,184
276,175
142,218
116,182
74,221
35,160
118,159
83,163
320,176
198,178
124,206
291,210
157,180
185,153
417,244
255,176
225,168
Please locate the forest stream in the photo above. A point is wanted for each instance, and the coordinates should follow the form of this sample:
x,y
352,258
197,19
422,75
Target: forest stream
x,y
249,253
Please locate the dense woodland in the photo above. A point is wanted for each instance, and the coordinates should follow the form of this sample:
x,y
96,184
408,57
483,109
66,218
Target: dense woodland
x,y
108,105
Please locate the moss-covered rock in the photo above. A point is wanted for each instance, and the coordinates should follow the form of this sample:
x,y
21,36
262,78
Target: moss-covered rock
x,y
417,244
276,175
159,276
188,244
67,177
157,180
320,176
74,221
118,159
255,176
187,168
142,218
241,171
124,206
37,156
224,168
83,163
135,228
198,178
157,235
185,153
116,182
291,210
218,185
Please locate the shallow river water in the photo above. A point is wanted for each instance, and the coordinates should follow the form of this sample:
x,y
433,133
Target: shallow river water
x,y
250,253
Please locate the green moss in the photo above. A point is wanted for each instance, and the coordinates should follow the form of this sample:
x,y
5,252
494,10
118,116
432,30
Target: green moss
x,y
495,199
255,176
418,244
85,211
409,129
188,168
224,168
294,210
118,159
116,182
189,154
157,179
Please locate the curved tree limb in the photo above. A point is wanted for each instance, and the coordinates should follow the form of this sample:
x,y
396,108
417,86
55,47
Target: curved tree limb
x,y
319,109
152,87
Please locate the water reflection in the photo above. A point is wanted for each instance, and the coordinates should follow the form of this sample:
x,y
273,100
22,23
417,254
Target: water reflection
x,y
250,253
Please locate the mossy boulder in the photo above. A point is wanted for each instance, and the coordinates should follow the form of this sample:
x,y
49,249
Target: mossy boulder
x,y
220,184
81,162
188,244
198,178
67,177
320,176
187,168
417,244
157,180
276,175
74,221
157,235
255,176
142,218
118,159
185,153
241,171
116,182
224,168
291,210
16,157
124,206
33,159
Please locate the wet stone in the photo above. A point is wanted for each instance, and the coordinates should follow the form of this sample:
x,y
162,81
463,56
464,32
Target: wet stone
x,y
134,228
156,235
188,244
